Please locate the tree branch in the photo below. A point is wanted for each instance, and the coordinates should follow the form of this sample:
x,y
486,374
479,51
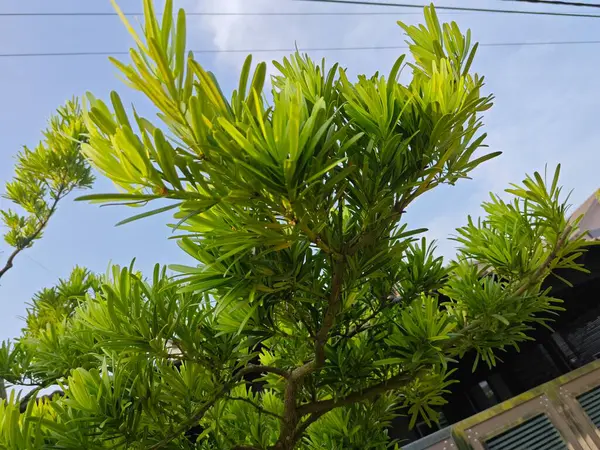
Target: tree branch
x,y
529,282
291,417
25,400
318,241
324,406
220,393
547,262
256,405
252,368
364,323
333,307
9,262
304,425
27,397
195,417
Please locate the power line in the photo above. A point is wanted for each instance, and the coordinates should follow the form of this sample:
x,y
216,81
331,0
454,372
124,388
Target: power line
x,y
255,50
558,3
456,8
286,50
207,14
41,265
324,13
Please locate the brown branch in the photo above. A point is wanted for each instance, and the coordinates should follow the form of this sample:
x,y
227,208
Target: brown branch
x,y
287,435
253,368
364,325
400,206
320,408
10,261
533,279
317,240
304,425
333,307
215,398
316,410
11,258
25,400
324,406
397,211
529,282
256,405
195,417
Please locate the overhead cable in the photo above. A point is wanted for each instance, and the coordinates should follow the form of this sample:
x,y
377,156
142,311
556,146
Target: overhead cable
x,y
207,14
557,3
291,50
456,8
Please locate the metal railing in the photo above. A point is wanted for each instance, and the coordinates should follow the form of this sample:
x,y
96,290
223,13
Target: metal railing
x,y
559,415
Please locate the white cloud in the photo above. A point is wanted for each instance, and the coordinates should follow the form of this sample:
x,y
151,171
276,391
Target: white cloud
x,y
546,97
286,32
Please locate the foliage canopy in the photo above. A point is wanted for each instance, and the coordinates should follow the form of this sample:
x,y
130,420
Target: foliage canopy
x,y
315,314
44,176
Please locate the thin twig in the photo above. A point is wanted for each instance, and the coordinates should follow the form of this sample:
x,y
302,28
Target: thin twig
x,y
219,394
330,314
534,278
308,422
363,325
10,261
25,400
291,418
323,406
256,405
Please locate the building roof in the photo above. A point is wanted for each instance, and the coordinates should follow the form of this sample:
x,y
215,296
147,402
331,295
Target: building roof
x,y
589,225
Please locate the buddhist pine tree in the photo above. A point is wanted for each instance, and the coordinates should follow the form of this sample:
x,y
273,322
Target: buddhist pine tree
x,y
315,314
43,177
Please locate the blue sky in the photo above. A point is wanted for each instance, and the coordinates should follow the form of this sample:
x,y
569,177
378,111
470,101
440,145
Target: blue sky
x,y
546,110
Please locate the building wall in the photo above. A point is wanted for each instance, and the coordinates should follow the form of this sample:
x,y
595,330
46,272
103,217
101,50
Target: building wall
x,y
563,414
573,343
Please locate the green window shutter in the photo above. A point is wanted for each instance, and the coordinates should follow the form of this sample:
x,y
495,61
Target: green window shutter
x,y
537,433
590,402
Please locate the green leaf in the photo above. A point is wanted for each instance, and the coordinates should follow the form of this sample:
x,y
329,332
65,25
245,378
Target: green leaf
x,y
322,172
476,162
125,22
98,198
501,319
148,214
180,43
469,61
119,110
257,85
167,23
244,78
388,361
247,317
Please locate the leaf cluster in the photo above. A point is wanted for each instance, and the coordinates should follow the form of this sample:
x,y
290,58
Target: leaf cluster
x,y
315,314
43,176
